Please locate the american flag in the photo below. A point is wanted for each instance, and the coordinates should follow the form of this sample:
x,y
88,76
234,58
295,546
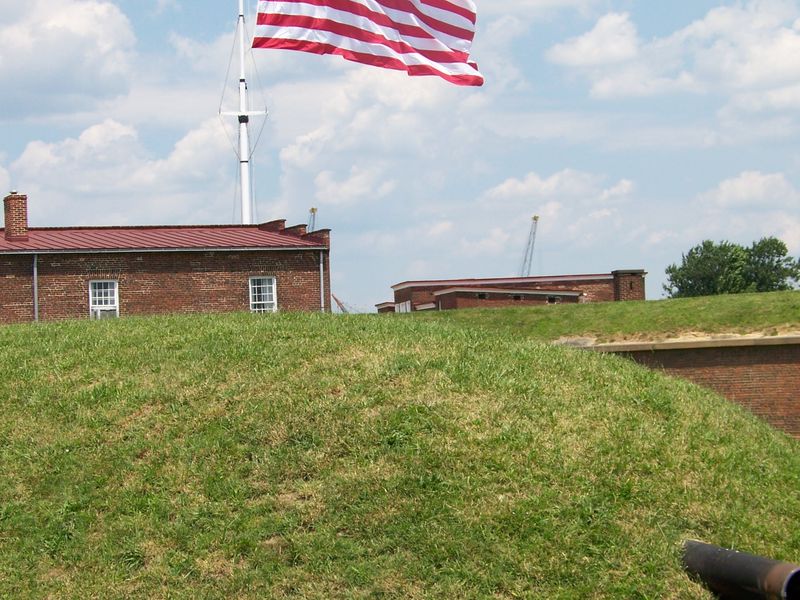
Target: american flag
x,y
421,37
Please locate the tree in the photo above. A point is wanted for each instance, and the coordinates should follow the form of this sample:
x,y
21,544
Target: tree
x,y
726,268
708,269
769,266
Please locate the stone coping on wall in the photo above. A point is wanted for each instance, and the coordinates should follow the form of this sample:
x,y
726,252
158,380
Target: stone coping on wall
x,y
698,343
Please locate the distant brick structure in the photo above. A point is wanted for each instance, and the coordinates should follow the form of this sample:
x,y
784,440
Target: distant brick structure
x,y
761,374
470,297
410,296
49,273
628,285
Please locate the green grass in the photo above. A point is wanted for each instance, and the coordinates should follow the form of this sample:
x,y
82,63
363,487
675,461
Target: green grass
x,y
311,456
771,314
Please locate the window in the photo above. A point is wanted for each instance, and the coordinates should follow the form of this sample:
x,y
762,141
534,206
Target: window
x,y
517,298
483,296
403,307
263,296
553,300
103,300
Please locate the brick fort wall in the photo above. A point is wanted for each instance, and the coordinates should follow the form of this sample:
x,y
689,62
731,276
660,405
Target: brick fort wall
x,y
763,378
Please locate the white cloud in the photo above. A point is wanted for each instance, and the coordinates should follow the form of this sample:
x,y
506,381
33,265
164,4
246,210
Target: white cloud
x,y
373,128
778,99
621,190
440,229
163,5
362,183
494,50
5,182
106,177
749,48
532,7
495,243
64,55
755,190
307,148
575,207
204,57
747,207
566,183
613,40
421,269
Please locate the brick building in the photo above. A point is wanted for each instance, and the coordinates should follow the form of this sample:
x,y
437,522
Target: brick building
x,y
100,272
450,294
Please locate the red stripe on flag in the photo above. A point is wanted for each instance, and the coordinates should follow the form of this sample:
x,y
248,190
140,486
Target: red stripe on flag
x,y
356,9
370,59
426,42
407,6
356,33
383,19
453,8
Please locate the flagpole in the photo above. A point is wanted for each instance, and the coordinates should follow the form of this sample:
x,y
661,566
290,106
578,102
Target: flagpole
x,y
244,133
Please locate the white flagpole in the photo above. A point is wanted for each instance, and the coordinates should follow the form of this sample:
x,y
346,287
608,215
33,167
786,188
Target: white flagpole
x,y
244,133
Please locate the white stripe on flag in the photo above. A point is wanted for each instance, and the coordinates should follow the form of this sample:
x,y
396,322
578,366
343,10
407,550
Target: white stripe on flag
x,y
425,39
363,23
324,37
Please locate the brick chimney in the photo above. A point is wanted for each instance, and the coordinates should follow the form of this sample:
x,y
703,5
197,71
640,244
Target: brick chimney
x,y
16,215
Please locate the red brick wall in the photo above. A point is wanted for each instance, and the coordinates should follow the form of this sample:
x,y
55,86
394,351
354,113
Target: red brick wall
x,y
764,379
469,300
628,286
16,289
153,283
15,208
596,290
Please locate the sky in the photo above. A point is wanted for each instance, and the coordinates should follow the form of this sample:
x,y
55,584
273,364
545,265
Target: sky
x,y
634,129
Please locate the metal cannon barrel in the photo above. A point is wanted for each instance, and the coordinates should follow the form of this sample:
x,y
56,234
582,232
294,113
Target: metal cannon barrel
x,y
737,575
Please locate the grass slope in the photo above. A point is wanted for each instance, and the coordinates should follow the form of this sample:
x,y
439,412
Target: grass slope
x,y
771,314
311,456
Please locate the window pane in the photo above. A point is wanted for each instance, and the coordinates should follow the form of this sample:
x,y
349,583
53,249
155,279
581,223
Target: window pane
x,y
262,294
103,299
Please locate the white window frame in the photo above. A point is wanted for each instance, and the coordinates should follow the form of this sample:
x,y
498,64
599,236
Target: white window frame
x,y
263,306
104,309
403,307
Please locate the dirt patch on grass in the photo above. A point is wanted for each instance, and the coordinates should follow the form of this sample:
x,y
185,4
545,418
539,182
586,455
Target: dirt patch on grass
x,y
217,566
680,336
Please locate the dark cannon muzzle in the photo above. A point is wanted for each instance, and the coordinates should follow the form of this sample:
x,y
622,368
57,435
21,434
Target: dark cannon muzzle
x,y
737,575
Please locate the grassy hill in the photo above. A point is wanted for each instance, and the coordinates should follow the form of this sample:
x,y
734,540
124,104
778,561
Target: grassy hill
x,y
312,456
770,314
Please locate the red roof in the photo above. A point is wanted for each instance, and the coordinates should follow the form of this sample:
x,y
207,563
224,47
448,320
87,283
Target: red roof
x,y
501,280
155,238
522,292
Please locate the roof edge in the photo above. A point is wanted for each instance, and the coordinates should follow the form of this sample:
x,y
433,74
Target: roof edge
x,y
481,281
521,292
29,252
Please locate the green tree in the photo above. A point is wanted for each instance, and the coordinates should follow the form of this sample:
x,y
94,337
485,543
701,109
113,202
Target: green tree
x,y
726,268
769,266
708,269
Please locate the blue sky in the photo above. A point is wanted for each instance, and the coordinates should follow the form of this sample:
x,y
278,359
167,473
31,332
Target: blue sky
x,y
635,129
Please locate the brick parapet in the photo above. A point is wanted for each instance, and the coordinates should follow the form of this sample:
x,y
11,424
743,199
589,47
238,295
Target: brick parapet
x,y
761,374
